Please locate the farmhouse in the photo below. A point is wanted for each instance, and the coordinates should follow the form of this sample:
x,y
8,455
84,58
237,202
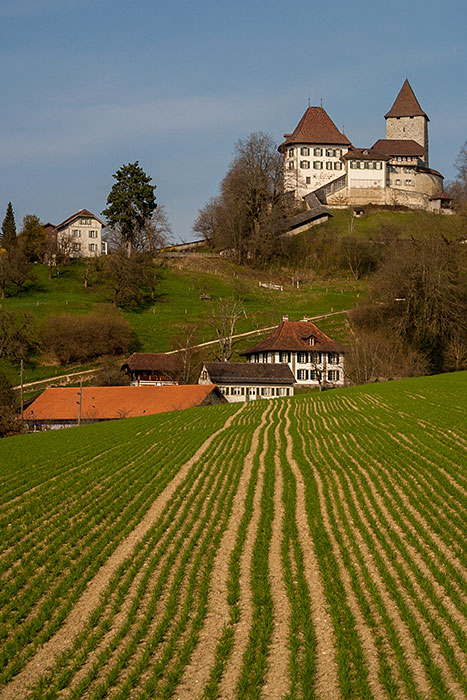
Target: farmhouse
x,y
82,233
63,407
313,357
320,160
151,368
244,381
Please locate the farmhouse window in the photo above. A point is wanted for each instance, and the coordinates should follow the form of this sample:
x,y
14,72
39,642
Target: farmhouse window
x,y
333,358
333,375
204,374
285,357
315,375
302,357
302,375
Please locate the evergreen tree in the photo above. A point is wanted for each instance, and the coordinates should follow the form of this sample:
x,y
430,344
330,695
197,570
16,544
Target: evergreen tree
x,y
8,240
131,203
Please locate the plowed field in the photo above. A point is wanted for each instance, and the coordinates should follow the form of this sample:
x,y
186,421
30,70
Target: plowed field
x,y
311,547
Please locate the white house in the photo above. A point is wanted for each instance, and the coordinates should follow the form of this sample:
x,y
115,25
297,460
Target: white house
x,y
242,381
314,358
83,233
319,159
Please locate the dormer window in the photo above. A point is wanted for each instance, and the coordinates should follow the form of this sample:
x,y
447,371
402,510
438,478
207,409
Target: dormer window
x,y
311,340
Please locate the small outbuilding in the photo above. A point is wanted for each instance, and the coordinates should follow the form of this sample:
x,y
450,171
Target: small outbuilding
x,y
153,368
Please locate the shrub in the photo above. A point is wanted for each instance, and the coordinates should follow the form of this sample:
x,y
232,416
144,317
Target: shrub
x,y
71,338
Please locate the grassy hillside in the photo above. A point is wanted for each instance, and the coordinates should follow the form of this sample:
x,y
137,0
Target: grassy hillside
x,y
178,302
314,545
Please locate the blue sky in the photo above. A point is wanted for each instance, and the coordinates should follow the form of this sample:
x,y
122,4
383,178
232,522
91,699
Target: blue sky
x,y
88,85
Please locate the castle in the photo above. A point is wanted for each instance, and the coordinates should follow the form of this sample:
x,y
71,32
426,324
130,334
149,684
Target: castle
x,y
322,166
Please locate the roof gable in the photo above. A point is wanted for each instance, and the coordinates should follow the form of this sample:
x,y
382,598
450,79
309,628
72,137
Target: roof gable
x,y
316,126
80,214
406,104
296,336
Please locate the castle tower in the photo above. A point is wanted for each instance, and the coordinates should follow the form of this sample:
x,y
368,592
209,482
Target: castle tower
x,y
406,120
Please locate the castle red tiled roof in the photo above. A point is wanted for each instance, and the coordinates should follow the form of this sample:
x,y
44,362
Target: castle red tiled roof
x,y
316,126
406,104
110,402
365,154
399,147
81,213
294,336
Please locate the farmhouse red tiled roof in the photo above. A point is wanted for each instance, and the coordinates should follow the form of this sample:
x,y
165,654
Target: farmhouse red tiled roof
x,y
399,147
294,336
316,126
110,402
81,213
406,104
249,372
154,361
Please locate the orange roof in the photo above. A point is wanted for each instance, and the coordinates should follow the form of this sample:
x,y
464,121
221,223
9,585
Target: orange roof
x,y
81,213
406,104
109,402
316,126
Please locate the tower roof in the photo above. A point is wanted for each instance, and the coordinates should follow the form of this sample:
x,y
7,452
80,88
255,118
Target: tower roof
x,y
316,126
406,104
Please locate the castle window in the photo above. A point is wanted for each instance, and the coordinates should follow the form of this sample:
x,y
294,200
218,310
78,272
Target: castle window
x,y
399,159
378,165
337,152
318,152
305,164
353,164
291,152
304,151
92,234
291,165
317,164
337,166
328,165
76,233
409,182
76,246
366,165
308,180
329,152
93,247
398,182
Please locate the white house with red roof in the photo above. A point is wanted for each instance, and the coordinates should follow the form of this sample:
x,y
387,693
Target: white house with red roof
x,y
322,167
81,233
314,358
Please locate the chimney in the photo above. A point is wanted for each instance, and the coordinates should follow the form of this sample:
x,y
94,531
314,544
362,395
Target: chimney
x,y
285,317
305,317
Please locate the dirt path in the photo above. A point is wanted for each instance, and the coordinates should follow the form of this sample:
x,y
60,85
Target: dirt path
x,y
79,615
218,615
277,677
327,683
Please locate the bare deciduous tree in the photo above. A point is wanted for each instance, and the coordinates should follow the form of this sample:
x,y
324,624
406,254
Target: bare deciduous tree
x,y
223,317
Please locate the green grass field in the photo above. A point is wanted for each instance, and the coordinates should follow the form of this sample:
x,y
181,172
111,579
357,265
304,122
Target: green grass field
x,y
311,547
178,303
